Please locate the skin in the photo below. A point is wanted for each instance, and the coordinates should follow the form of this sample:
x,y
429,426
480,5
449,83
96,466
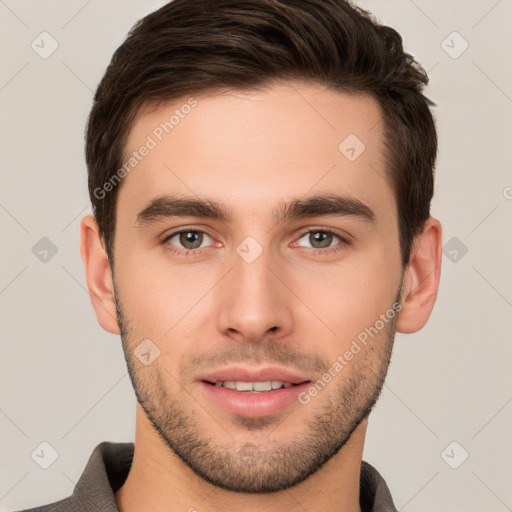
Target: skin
x,y
296,304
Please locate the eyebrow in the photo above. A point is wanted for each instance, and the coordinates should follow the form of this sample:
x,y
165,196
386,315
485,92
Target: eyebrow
x,y
166,206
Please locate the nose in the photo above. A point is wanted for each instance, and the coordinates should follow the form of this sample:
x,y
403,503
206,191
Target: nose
x,y
253,300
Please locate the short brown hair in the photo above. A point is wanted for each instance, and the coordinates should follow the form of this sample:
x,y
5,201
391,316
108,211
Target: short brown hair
x,y
198,46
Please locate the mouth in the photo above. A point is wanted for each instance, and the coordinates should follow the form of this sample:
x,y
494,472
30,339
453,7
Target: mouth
x,y
254,387
253,393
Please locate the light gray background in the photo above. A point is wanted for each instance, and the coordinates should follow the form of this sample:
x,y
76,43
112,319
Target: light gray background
x,y
64,379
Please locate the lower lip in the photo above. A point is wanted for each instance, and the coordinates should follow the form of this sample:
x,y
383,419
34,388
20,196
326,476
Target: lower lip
x,y
253,405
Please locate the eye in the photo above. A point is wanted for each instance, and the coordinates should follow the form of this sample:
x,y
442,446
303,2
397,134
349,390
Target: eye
x,y
187,240
193,241
322,239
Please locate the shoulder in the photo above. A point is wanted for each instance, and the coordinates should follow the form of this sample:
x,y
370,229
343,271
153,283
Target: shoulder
x,y
105,471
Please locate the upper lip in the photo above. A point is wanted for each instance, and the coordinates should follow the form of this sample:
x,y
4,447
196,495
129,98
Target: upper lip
x,y
268,373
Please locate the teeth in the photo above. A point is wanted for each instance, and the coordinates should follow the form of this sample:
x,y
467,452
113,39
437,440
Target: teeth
x,y
262,386
254,386
244,386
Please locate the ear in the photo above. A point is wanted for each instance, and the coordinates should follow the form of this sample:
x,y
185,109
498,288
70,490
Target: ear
x,y
98,275
421,280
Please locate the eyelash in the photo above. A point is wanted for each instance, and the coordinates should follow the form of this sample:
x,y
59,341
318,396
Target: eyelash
x,y
195,252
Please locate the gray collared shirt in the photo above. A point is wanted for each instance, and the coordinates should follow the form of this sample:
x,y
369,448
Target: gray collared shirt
x,y
110,463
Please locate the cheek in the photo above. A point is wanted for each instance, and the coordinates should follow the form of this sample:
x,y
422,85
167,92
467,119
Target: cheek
x,y
160,300
349,297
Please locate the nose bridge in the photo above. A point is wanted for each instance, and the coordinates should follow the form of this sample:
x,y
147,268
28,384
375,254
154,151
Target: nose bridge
x,y
253,300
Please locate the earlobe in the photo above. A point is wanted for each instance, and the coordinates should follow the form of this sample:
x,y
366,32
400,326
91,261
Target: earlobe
x,y
421,280
98,275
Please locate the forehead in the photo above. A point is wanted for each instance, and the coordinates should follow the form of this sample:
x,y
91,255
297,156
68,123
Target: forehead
x,y
288,139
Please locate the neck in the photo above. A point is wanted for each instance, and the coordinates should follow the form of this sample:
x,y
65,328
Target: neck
x,y
160,481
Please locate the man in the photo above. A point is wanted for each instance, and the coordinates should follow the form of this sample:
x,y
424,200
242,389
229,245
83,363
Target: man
x,y
261,175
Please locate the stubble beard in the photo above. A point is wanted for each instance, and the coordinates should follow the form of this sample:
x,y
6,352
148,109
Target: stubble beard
x,y
239,464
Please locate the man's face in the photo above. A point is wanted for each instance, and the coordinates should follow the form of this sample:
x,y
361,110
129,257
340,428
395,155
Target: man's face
x,y
256,291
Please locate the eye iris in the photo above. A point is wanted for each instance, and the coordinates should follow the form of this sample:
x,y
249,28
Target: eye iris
x,y
322,237
191,237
